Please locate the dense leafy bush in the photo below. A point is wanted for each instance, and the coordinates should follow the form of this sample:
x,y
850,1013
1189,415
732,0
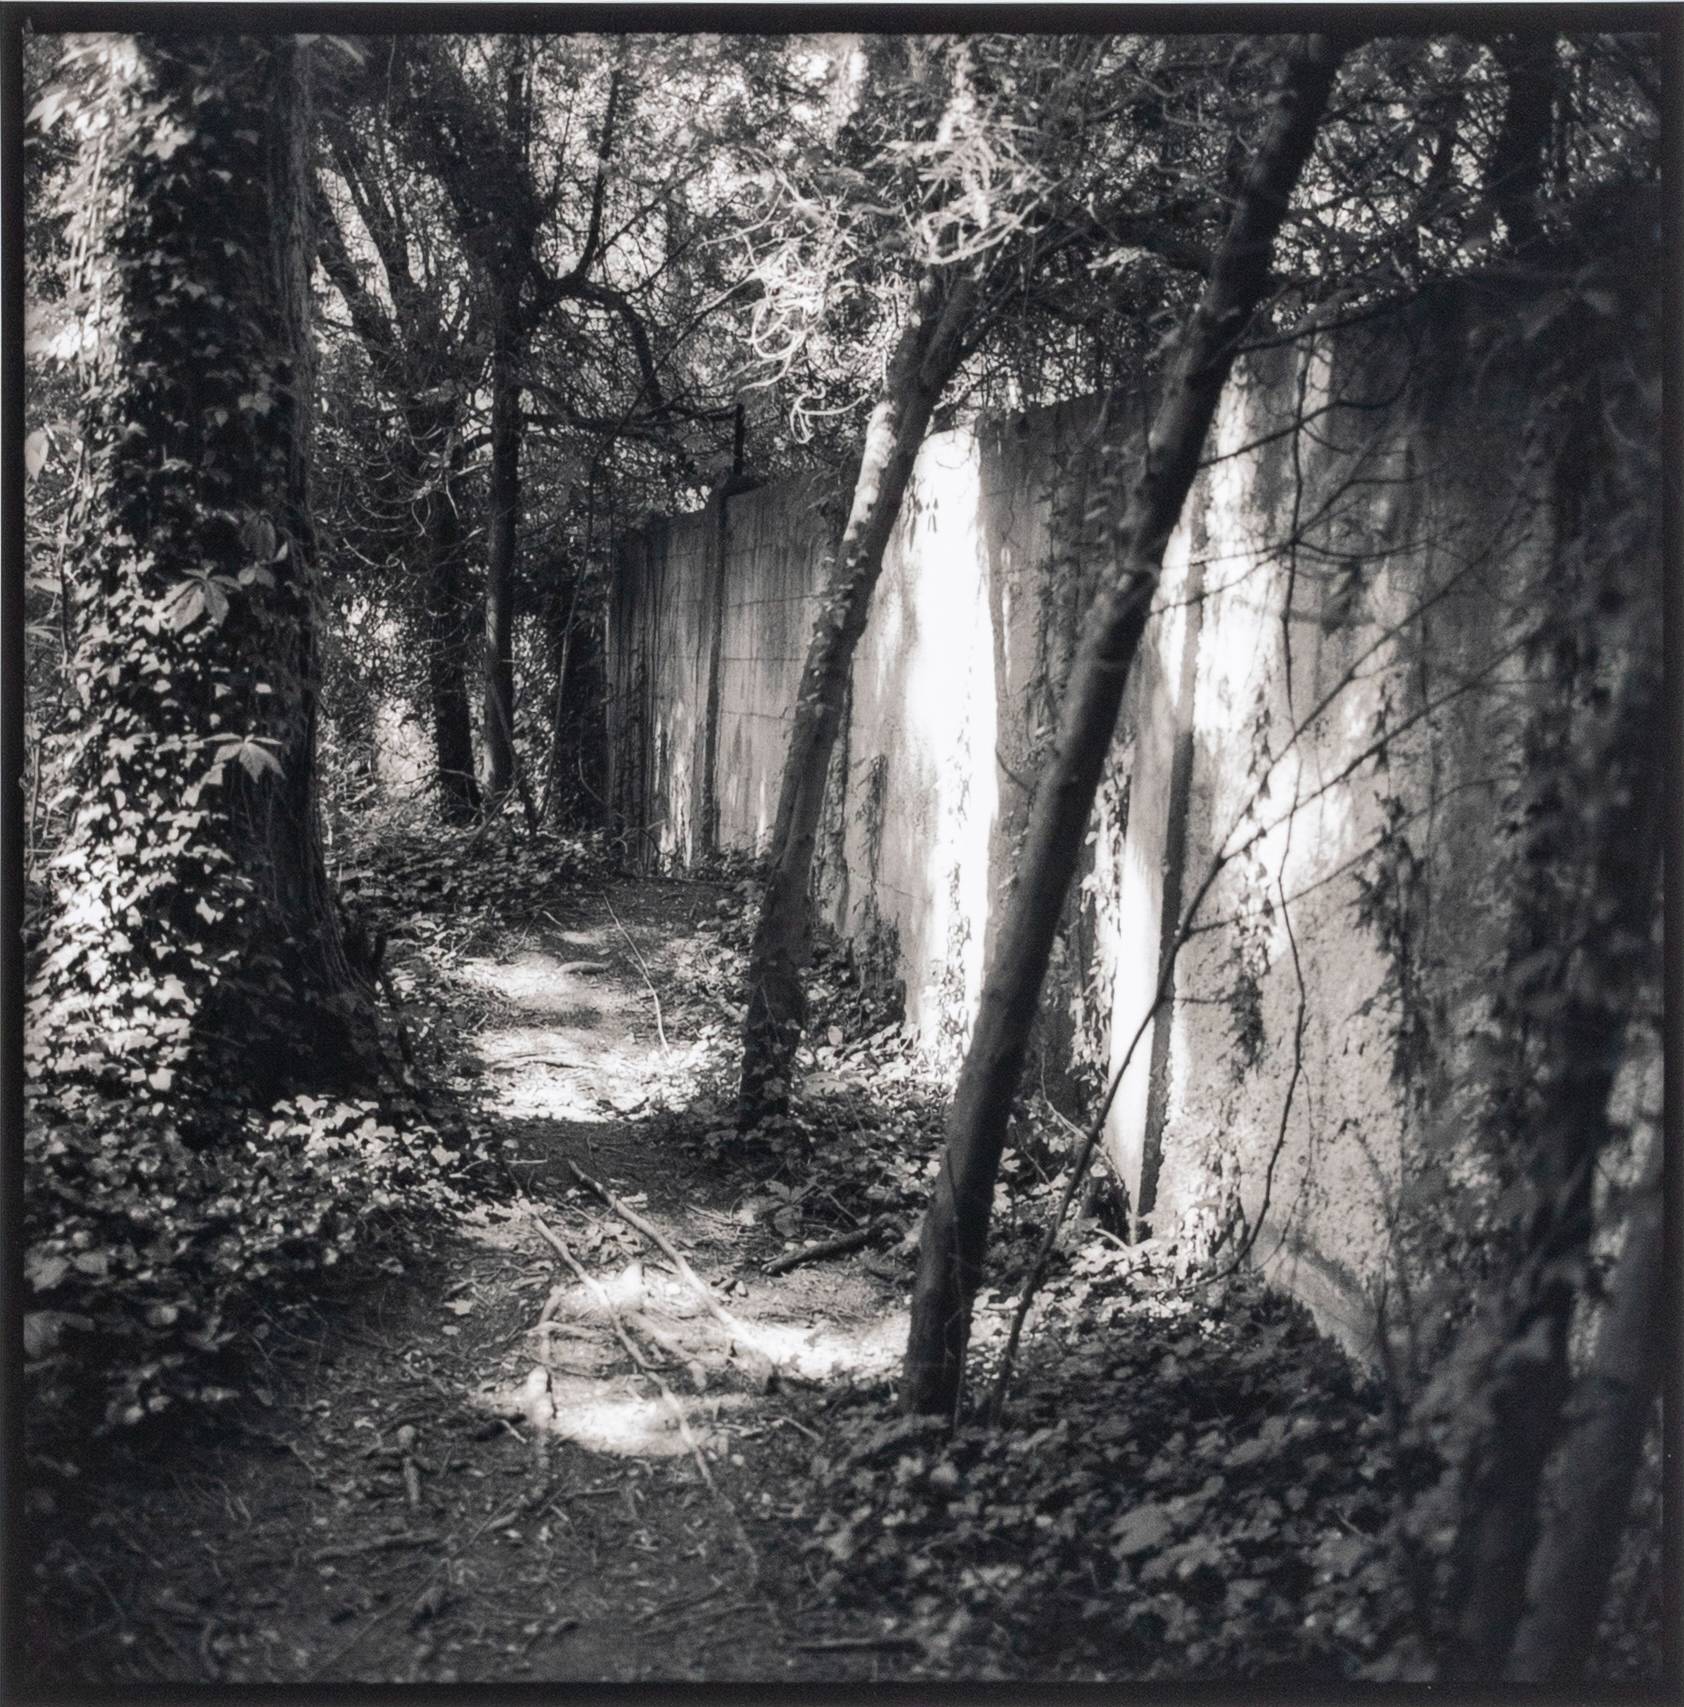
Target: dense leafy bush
x,y
148,1247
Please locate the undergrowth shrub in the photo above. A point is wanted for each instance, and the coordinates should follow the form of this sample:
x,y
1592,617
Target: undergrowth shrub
x,y
150,1242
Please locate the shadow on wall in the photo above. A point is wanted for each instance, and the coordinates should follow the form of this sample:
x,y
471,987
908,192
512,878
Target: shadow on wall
x,y
778,544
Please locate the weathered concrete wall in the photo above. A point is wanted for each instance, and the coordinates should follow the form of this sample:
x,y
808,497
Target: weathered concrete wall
x,y
1320,727
778,540
1346,588
661,627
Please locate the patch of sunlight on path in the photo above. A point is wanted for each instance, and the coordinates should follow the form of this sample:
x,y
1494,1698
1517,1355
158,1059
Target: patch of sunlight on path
x,y
571,1035
569,1039
571,1377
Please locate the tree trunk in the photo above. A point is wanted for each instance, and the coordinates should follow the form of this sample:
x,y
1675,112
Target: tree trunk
x,y
924,359
955,1230
448,620
409,365
1519,1386
1516,173
282,819
1614,1406
550,806
198,931
502,521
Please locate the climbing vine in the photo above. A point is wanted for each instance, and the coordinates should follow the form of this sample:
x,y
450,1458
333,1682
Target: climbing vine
x,y
192,969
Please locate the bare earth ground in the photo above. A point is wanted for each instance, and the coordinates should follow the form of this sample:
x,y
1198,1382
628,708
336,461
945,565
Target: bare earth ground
x,y
461,1474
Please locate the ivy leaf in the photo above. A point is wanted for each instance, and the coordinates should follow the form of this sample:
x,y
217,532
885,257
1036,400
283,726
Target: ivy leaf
x,y
186,606
1247,1452
256,760
42,1328
1338,1555
47,111
170,136
1140,1530
44,1273
34,453
257,532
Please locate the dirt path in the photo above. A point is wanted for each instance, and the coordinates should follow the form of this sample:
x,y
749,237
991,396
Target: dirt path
x,y
539,1451
463,1475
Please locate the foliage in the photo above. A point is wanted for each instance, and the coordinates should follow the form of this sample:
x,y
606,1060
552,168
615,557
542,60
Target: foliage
x,y
203,1138
1191,1488
151,1237
445,890
1196,1484
200,1123
157,1225
190,556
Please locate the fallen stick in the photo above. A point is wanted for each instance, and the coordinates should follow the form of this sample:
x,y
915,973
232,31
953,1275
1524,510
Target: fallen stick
x,y
739,1331
552,1303
411,1469
658,1337
842,1243
684,1604
380,1544
840,1644
642,967
559,1246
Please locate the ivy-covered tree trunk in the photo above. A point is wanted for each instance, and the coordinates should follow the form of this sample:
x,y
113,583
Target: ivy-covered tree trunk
x,y
502,520
955,1230
1612,1413
195,930
1585,961
924,359
1515,1392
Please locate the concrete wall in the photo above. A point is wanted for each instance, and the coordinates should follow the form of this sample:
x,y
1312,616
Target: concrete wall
x,y
1368,575
660,643
777,543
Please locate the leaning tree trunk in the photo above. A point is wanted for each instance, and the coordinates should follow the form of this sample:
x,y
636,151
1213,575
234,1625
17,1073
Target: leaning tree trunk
x,y
197,930
924,359
500,565
1614,1405
955,1230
